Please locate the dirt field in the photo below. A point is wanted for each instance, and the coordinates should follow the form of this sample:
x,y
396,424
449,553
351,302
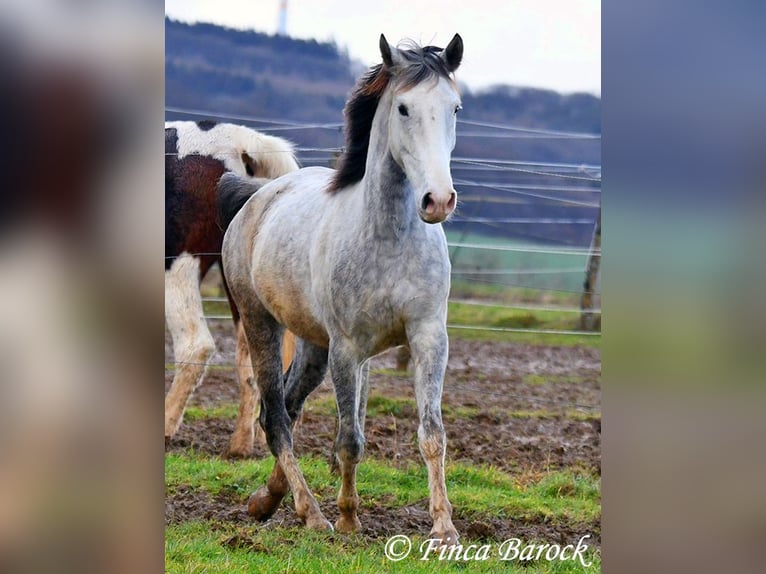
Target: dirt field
x,y
523,409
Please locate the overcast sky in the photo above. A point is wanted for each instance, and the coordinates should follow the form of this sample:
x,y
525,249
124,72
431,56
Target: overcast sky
x,y
553,44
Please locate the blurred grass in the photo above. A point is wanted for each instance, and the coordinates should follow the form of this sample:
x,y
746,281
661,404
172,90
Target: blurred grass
x,y
202,546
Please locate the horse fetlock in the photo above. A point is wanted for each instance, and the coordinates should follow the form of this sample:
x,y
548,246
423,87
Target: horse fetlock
x,y
348,504
172,424
263,503
241,444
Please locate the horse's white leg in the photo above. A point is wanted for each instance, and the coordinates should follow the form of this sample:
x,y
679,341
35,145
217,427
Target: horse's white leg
x,y
429,348
192,342
364,385
263,335
244,436
347,377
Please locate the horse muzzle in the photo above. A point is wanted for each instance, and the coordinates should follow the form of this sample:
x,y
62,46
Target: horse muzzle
x,y
436,207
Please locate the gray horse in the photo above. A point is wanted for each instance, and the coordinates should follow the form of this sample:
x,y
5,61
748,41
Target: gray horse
x,y
354,262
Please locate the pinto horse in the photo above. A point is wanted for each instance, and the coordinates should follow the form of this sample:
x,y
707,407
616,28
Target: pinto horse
x,y
354,262
196,155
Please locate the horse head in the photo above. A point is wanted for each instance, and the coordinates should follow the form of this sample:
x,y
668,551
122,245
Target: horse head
x,y
421,121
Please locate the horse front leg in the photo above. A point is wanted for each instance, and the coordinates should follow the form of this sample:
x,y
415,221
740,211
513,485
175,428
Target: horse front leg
x,y
429,348
348,375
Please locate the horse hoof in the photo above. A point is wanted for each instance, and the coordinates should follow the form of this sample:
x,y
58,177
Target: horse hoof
x,y
239,451
348,525
447,538
263,504
319,523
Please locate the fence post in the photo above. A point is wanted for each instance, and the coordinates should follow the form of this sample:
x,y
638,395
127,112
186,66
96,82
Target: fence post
x,y
591,321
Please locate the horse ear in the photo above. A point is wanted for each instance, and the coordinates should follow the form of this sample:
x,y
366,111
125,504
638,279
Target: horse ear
x,y
453,53
385,51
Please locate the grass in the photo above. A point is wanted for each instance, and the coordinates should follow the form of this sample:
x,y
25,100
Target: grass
x,y
383,406
224,411
532,379
201,546
470,259
475,492
500,317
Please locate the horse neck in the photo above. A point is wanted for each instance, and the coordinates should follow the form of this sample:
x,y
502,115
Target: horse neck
x,y
389,200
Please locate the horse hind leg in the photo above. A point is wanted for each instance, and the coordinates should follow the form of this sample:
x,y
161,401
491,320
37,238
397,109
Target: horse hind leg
x,y
246,432
263,335
306,373
193,345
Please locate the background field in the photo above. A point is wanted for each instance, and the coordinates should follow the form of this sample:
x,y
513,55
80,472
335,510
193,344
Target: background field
x,y
522,413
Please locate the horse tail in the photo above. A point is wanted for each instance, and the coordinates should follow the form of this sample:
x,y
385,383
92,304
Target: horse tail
x,y
233,193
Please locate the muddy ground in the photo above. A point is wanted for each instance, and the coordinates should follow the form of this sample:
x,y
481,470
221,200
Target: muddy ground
x,y
490,390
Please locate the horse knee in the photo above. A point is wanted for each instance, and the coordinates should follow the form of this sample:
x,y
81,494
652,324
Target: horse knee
x,y
350,447
206,346
432,442
197,348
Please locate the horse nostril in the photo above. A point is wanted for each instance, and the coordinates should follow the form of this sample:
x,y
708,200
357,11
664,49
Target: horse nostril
x,y
452,201
427,201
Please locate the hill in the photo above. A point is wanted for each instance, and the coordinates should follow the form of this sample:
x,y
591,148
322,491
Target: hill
x,y
241,73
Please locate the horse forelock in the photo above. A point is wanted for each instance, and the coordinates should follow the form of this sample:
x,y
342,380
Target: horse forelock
x,y
420,64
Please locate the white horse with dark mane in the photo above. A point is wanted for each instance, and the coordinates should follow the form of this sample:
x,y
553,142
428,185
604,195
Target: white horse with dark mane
x,y
354,262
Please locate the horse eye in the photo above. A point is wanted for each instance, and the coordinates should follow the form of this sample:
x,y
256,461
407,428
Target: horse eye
x,y
403,110
458,108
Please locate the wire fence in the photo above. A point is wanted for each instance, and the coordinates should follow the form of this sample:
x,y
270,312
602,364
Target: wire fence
x,y
559,185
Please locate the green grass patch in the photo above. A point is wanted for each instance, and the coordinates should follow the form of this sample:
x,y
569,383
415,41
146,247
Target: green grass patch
x,y
561,495
532,379
499,317
383,406
541,339
225,411
197,547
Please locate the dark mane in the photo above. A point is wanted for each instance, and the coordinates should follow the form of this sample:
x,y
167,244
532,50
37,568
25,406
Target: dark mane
x,y
420,63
